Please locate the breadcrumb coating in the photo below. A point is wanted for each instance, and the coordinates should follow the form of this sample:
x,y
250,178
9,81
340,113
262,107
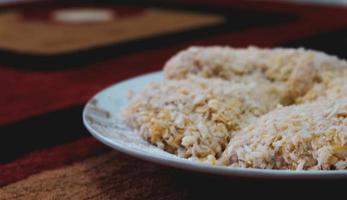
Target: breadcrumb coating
x,y
307,136
195,117
247,107
298,69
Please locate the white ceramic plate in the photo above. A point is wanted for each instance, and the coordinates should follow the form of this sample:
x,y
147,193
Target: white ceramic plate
x,y
101,116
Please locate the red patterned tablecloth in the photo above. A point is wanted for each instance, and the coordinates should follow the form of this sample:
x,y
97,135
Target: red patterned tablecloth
x,y
46,153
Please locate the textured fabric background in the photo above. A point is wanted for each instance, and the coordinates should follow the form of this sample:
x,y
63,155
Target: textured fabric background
x,y
46,153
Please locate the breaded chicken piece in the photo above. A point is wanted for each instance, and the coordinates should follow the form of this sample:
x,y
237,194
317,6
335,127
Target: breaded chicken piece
x,y
299,69
213,96
307,136
195,117
333,85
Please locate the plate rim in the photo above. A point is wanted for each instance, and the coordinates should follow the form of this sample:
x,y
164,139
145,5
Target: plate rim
x,y
186,164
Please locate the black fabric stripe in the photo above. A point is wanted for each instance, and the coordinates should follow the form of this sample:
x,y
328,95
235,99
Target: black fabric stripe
x,y
332,42
236,20
205,186
40,132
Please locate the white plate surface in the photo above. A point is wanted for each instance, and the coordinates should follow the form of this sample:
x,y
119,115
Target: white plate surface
x,y
102,118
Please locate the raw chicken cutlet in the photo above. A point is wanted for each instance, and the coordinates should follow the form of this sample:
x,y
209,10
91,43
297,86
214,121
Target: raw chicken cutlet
x,y
306,136
298,69
195,117
211,97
